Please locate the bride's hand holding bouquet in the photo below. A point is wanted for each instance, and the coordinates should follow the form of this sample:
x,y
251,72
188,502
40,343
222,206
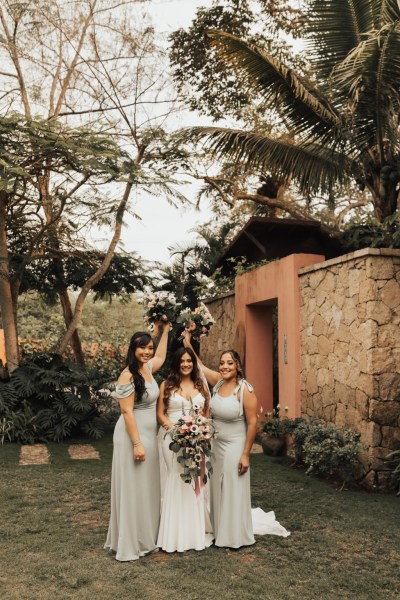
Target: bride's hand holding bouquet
x,y
191,438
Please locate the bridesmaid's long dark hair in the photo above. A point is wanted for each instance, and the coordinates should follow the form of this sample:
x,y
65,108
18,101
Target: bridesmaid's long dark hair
x,y
140,339
174,378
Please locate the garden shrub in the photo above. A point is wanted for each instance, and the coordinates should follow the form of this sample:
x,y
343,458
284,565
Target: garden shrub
x,y
325,449
48,399
392,461
329,450
372,234
108,359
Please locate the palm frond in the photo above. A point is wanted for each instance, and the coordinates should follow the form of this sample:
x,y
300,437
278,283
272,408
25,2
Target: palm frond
x,y
304,109
183,250
335,27
389,11
371,73
314,166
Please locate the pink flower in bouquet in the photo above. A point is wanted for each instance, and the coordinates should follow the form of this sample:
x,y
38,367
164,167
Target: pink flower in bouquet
x,y
187,419
204,330
164,318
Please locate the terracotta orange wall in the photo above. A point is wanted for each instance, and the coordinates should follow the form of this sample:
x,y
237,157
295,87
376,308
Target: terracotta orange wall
x,y
254,293
2,347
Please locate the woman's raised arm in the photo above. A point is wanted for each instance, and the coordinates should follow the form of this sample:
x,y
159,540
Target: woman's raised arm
x,y
161,352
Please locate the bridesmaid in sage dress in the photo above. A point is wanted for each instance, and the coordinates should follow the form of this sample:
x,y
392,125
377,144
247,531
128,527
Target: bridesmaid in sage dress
x,y
135,489
234,411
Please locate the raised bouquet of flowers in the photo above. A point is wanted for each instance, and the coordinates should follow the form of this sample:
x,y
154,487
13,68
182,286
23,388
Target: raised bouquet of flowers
x,y
191,440
198,322
160,306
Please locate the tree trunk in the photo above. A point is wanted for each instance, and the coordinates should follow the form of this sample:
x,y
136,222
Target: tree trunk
x,y
385,198
75,339
76,344
99,273
6,301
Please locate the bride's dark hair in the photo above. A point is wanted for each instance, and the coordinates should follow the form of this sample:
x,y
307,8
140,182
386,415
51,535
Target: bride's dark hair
x,y
140,339
174,378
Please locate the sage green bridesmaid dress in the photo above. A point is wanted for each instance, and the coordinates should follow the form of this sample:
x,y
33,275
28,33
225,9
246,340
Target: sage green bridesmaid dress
x,y
230,493
135,486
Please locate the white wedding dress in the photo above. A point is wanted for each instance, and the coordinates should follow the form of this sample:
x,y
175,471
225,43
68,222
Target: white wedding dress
x,y
185,520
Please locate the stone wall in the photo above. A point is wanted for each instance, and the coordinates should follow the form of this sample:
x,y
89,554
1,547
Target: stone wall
x,y
222,334
350,349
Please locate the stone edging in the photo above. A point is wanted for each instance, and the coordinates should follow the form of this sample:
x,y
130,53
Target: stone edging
x,y
351,256
219,297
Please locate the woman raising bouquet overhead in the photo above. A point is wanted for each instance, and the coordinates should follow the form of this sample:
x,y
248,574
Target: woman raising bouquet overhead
x,y
135,477
234,412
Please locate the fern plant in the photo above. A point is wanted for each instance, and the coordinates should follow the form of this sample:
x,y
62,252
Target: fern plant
x,y
47,399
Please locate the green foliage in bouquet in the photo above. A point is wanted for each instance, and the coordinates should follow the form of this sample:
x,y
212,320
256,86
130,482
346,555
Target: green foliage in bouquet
x,y
191,440
198,321
159,307
47,399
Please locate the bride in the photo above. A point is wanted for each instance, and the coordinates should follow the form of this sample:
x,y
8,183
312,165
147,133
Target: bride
x,y
185,521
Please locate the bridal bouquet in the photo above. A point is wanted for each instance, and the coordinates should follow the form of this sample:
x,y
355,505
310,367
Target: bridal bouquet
x,y
191,438
160,306
198,322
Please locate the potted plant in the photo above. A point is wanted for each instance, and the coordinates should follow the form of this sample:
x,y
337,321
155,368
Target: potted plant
x,y
274,430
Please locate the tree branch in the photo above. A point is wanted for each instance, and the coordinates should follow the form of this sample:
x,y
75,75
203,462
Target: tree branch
x,y
97,275
12,49
347,209
72,66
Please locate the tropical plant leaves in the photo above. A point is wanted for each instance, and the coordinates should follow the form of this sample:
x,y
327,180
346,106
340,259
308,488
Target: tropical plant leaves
x,y
303,108
314,166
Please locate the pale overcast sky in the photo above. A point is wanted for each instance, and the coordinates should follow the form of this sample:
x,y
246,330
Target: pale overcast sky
x,y
162,225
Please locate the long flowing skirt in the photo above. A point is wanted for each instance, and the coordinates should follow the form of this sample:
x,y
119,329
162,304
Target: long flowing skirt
x,y
230,493
185,522
135,491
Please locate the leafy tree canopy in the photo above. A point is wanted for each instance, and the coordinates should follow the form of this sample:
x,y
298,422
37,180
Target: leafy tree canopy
x,y
342,119
205,81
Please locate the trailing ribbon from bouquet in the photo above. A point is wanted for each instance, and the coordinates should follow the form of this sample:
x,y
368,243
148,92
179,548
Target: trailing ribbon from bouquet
x,y
201,480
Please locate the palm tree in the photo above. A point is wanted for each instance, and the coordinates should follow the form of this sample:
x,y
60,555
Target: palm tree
x,y
343,118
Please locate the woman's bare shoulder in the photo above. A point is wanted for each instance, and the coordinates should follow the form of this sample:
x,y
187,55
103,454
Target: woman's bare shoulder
x,y
125,377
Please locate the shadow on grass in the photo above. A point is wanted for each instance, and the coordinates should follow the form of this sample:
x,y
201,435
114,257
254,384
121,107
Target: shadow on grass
x,y
53,523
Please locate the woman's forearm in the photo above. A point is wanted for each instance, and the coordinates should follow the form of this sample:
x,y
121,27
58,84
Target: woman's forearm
x,y
250,437
163,420
161,352
131,427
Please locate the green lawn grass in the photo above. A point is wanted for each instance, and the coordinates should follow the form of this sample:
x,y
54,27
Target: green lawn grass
x,y
53,524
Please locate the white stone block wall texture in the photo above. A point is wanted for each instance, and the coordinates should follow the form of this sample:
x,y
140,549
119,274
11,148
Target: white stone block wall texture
x,y
350,350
